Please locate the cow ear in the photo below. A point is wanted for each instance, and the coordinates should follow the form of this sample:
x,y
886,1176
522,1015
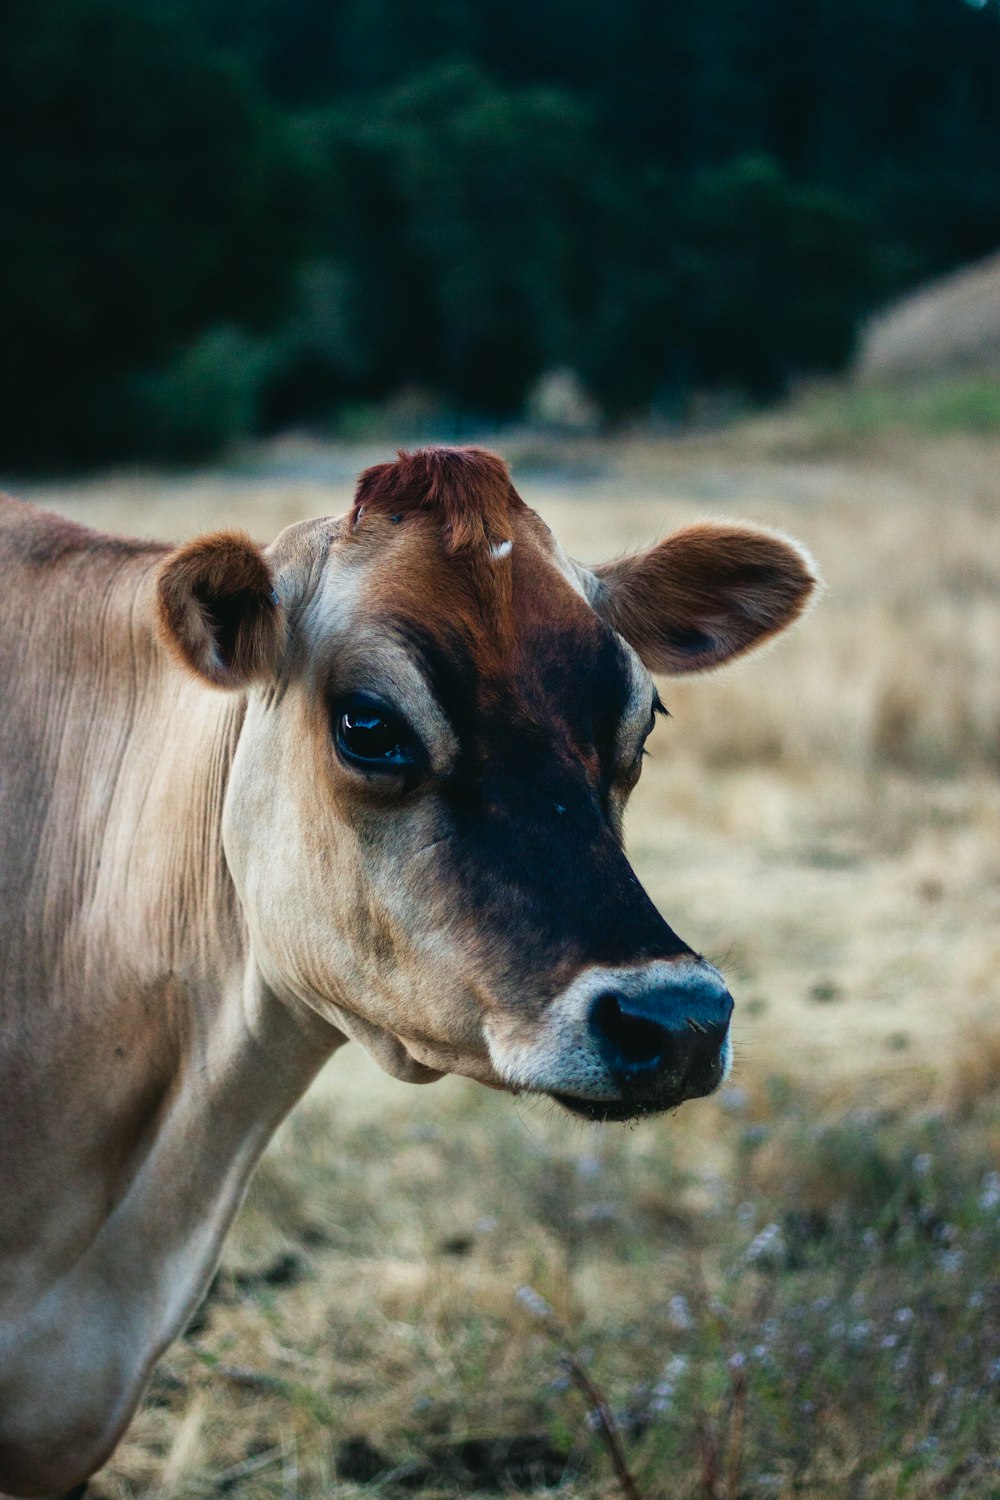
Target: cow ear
x,y
704,595
218,610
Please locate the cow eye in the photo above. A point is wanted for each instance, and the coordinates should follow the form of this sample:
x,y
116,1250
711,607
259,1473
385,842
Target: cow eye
x,y
372,737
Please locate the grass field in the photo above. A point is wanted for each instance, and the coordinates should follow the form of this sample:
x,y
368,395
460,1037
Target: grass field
x,y
791,1289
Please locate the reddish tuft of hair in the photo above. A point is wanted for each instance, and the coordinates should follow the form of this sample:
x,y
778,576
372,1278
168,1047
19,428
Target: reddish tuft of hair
x,y
467,489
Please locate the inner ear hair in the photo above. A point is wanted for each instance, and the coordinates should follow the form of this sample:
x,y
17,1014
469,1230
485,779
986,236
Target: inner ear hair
x,y
706,594
218,610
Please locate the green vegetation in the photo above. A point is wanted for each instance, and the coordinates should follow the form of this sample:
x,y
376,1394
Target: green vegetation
x,y
456,197
933,406
440,1311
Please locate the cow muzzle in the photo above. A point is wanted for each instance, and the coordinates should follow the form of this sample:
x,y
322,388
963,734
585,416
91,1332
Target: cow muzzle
x,y
619,1045
660,1047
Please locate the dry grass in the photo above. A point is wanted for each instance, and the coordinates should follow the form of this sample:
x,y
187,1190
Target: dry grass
x,y
825,822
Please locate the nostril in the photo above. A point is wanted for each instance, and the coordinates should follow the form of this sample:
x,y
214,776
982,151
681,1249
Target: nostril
x,y
635,1040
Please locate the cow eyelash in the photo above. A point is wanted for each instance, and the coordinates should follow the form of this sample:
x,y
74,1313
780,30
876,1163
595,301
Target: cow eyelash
x,y
657,711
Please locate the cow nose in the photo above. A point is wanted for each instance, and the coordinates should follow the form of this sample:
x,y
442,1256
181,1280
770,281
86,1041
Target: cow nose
x,y
673,1032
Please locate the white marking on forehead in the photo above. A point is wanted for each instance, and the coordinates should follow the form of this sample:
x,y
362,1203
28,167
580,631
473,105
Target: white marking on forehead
x,y
500,550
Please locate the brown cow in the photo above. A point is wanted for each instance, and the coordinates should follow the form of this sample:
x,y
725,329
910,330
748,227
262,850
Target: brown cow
x,y
366,783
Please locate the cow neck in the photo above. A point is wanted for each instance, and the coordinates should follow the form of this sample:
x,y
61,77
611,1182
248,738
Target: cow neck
x,y
163,939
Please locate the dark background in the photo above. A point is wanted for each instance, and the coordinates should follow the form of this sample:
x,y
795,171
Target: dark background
x,y
222,217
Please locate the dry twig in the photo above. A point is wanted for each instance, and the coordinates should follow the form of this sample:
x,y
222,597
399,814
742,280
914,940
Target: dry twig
x,y
607,1428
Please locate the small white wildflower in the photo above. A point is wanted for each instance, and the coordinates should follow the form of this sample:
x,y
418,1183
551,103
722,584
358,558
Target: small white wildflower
x,y
679,1314
746,1213
890,1341
990,1195
675,1367
534,1302
904,1315
976,1299
922,1163
768,1245
486,1224
950,1261
736,1361
870,1239
860,1330
936,1378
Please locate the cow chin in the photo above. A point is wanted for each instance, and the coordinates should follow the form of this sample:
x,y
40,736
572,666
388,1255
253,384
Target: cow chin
x,y
636,1107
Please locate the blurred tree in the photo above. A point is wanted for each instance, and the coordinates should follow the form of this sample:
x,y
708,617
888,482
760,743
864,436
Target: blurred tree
x,y
331,199
455,241
147,193
494,187
774,275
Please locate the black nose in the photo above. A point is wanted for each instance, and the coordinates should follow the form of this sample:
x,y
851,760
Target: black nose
x,y
671,1035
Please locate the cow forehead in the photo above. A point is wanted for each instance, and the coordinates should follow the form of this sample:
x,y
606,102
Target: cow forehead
x,y
507,629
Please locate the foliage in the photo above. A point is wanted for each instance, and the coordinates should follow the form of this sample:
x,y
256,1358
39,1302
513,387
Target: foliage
x,y
461,196
205,396
145,183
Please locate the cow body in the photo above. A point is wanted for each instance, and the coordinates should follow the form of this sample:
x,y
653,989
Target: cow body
x,y
204,892
142,1070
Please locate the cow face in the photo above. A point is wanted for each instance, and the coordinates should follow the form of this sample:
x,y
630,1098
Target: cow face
x,y
444,720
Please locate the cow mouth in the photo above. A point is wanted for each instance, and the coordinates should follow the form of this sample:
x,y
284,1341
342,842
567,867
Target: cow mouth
x,y
639,1106
613,1111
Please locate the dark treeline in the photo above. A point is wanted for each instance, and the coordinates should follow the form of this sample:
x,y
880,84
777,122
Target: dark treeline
x,y
222,216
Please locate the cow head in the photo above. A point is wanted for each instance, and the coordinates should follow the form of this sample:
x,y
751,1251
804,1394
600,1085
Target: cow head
x,y
444,719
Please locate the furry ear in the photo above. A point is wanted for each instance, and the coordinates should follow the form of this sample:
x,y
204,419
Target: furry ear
x,y
218,610
704,595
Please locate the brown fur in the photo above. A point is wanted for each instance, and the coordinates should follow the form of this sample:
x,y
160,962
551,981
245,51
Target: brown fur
x,y
466,489
218,611
467,496
704,595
